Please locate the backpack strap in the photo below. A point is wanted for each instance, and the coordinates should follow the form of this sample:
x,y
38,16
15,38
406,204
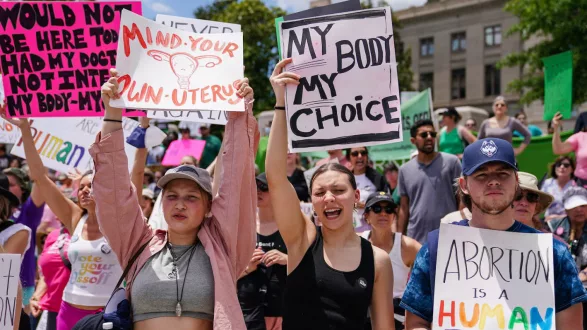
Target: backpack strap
x,y
66,261
130,263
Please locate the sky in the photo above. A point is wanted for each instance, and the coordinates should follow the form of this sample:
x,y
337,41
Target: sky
x,y
186,7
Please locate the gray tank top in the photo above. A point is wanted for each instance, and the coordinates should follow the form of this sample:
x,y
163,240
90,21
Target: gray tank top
x,y
154,291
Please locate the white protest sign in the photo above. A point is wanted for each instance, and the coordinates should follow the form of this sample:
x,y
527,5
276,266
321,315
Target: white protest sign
x,y
348,94
196,26
163,68
9,274
157,220
63,143
487,279
8,133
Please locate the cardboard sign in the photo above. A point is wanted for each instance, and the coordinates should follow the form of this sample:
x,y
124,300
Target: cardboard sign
x,y
488,279
203,27
162,68
348,94
558,85
180,148
63,143
197,25
55,56
9,274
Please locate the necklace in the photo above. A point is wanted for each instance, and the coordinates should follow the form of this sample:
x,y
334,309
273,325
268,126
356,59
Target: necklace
x,y
175,271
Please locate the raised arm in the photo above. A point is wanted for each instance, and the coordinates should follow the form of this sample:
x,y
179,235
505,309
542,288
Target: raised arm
x,y
117,207
138,167
467,135
235,205
66,210
558,146
292,224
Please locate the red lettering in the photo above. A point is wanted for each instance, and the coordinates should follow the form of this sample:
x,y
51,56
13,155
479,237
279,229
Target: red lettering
x,y
206,45
149,36
195,42
194,95
162,39
174,98
233,102
442,314
151,96
229,92
204,94
123,80
216,93
138,97
175,41
217,47
230,49
131,34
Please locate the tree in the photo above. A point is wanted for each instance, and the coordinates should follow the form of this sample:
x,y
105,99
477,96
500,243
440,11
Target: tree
x,y
559,25
260,42
403,57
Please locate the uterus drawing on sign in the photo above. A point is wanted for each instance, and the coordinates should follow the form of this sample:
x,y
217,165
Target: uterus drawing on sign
x,y
184,65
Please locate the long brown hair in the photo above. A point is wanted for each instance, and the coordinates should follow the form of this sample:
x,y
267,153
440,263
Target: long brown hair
x,y
5,208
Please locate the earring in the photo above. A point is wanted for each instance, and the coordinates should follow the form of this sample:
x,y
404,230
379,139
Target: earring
x,y
209,215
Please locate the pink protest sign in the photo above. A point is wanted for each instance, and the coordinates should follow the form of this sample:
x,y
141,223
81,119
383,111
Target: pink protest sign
x,y
55,56
180,148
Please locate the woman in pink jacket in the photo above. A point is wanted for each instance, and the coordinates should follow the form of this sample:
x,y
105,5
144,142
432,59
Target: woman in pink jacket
x,y
186,277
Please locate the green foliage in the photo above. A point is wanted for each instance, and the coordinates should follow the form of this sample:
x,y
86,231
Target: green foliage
x,y
260,43
560,26
405,75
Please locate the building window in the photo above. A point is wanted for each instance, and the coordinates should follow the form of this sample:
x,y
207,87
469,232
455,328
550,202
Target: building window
x,y
492,80
493,36
426,47
426,81
458,84
458,42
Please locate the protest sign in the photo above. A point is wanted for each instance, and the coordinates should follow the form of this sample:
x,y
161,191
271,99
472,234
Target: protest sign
x,y
9,274
8,133
180,148
196,26
163,68
348,94
558,85
63,143
55,56
335,8
488,279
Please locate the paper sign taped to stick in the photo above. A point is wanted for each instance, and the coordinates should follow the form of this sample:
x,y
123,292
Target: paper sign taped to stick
x,y
487,279
180,148
9,274
348,94
163,68
63,143
196,26
55,56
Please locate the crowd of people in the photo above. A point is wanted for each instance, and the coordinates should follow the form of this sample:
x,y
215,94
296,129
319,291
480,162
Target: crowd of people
x,y
214,244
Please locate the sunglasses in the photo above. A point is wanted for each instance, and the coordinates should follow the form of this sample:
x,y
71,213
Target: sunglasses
x,y
262,186
530,197
378,208
426,134
362,152
565,165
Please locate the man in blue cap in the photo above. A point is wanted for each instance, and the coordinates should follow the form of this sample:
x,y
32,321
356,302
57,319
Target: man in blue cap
x,y
488,187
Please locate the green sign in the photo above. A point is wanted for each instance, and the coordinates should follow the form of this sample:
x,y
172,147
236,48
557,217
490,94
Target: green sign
x,y
277,21
558,85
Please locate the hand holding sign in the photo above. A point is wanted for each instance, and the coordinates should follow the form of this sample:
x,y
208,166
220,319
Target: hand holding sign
x,y
110,89
279,79
556,121
20,123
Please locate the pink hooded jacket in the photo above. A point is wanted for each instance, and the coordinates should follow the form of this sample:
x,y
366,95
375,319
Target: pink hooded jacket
x,y
228,237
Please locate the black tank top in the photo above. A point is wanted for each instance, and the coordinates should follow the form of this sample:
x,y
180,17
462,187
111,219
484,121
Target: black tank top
x,y
318,297
261,292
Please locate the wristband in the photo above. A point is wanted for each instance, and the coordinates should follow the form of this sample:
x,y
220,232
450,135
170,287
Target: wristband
x,y
113,120
279,108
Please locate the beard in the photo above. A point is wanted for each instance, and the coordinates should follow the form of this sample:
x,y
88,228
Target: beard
x,y
494,207
426,149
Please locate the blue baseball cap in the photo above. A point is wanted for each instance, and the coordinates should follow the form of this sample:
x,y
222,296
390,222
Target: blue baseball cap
x,y
485,151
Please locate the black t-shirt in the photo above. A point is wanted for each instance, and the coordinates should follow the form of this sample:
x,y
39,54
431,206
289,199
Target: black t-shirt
x,y
261,292
298,181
